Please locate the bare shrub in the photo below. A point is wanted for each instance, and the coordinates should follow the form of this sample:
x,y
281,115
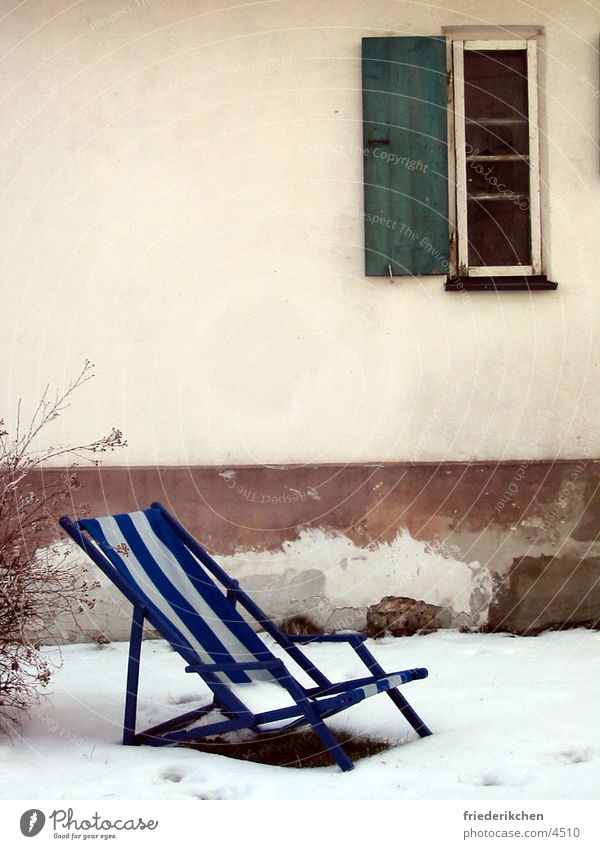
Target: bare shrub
x,y
38,582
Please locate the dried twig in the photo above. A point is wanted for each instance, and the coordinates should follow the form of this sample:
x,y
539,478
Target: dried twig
x,y
37,582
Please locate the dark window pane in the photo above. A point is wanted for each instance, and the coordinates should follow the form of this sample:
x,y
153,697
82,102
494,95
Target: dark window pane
x,y
497,126
498,233
495,85
497,139
504,179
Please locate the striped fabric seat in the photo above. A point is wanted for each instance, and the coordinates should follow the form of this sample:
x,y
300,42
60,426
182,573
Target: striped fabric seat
x,y
150,557
175,585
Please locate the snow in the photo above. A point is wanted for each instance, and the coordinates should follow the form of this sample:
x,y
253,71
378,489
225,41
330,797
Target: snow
x,y
513,718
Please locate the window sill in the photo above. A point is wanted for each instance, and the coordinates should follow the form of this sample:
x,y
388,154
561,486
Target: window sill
x,y
500,284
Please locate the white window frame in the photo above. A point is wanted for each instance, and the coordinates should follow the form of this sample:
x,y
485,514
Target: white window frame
x,y
458,48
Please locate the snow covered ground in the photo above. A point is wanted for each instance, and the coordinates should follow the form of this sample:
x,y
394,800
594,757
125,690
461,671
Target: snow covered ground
x,y
513,718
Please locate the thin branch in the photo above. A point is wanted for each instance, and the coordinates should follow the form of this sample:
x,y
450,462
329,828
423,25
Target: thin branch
x,y
37,584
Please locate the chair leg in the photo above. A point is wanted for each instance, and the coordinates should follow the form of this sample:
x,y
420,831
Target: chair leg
x,y
328,738
409,713
133,675
411,716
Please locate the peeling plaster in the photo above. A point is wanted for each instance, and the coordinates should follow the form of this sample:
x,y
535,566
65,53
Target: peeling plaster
x,y
441,536
321,572
324,575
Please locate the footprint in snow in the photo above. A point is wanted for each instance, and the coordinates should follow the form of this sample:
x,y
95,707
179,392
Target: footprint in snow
x,y
497,778
575,756
209,794
173,775
186,698
210,791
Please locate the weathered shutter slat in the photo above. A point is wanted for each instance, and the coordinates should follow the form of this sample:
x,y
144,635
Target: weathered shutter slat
x,y
405,151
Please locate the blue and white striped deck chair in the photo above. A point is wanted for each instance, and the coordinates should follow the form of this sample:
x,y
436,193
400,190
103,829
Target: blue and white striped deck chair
x,y
174,584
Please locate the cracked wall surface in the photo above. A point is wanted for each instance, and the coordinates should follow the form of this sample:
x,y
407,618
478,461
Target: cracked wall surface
x,y
511,546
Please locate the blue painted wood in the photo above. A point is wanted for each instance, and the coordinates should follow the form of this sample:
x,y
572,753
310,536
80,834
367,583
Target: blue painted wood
x,y
243,598
395,695
176,600
163,626
178,721
356,683
133,675
405,152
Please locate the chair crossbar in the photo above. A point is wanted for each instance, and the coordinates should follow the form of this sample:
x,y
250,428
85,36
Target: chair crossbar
x,y
212,730
177,721
406,676
250,666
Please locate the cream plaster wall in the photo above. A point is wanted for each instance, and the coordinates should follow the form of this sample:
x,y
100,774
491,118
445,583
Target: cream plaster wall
x,y
182,201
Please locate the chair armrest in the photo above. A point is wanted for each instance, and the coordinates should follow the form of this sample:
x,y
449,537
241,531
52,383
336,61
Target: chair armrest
x,y
327,638
274,665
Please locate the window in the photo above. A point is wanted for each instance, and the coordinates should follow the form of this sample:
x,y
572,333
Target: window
x,y
480,225
497,161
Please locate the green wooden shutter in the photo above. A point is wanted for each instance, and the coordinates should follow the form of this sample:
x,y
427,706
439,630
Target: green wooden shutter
x,y
405,151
